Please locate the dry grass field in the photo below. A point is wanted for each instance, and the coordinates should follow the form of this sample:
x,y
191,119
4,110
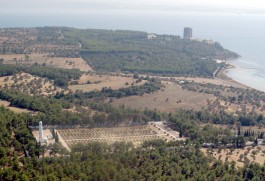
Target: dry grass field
x,y
248,154
232,108
59,62
171,99
90,82
29,84
135,134
15,109
223,89
222,79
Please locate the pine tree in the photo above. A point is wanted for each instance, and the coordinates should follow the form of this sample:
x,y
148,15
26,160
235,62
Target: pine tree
x,y
56,138
180,132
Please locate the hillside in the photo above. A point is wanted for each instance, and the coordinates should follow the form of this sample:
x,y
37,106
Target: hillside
x,y
132,51
107,50
117,126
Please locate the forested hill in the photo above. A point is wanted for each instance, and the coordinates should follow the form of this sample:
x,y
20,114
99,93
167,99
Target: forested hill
x,y
107,50
135,51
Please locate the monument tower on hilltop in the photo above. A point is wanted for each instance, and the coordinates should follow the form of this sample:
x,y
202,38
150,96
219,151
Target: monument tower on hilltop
x,y
41,139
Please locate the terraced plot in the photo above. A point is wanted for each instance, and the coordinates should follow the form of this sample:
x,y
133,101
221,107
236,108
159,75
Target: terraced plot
x,y
135,134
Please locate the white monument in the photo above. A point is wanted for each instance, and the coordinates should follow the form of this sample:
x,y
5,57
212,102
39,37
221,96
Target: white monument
x,y
41,139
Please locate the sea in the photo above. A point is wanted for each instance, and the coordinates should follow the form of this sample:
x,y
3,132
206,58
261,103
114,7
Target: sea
x,y
240,32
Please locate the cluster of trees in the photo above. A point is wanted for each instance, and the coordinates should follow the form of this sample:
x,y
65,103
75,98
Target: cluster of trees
x,y
16,142
155,160
35,103
61,77
133,51
148,87
188,124
221,117
54,111
250,132
249,101
236,95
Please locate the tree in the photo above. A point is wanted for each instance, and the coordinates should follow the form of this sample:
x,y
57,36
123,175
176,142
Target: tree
x,y
238,130
180,131
56,137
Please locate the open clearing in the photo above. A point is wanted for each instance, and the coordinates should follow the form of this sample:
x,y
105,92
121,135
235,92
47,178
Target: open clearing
x,y
59,62
251,154
171,99
135,134
15,109
90,82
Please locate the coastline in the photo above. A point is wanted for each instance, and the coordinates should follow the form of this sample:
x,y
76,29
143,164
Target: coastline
x,y
224,75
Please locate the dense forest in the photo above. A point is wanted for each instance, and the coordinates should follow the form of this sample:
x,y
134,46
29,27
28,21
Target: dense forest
x,y
154,160
135,52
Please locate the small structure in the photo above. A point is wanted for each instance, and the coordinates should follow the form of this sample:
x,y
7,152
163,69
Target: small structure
x,y
182,82
151,36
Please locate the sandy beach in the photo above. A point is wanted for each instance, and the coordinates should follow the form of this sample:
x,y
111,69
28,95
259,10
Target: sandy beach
x,y
252,77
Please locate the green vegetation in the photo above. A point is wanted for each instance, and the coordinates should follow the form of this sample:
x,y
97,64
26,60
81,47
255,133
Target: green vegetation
x,y
60,76
133,51
249,101
148,87
21,157
107,50
154,160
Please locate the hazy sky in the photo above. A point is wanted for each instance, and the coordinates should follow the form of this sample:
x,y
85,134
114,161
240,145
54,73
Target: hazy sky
x,y
79,6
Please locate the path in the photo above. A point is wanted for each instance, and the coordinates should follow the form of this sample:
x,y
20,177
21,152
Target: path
x,y
61,140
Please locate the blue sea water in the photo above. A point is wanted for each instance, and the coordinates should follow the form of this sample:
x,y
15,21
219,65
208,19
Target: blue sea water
x,y
242,33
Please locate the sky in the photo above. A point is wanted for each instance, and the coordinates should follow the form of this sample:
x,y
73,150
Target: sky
x,y
81,6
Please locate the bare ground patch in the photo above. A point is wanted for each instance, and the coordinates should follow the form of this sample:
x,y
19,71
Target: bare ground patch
x,y
171,99
42,59
90,82
222,79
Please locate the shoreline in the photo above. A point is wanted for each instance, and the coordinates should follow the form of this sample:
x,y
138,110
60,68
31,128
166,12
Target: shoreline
x,y
224,74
